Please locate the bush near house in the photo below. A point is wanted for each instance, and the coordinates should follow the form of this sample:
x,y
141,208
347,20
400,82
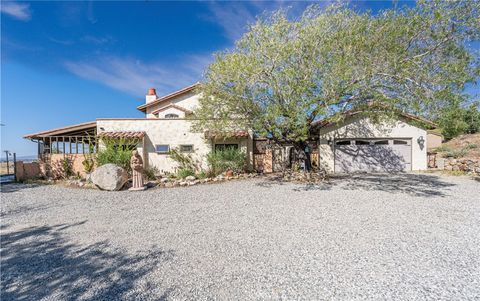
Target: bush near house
x,y
187,164
116,151
150,173
88,165
185,172
222,160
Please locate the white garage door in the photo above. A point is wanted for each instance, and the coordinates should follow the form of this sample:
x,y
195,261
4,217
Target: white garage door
x,y
373,155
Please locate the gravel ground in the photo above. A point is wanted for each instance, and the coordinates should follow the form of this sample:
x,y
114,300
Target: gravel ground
x,y
404,237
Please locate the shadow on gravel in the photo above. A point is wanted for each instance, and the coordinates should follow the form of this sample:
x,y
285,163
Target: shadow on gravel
x,y
12,187
40,263
20,210
414,184
275,180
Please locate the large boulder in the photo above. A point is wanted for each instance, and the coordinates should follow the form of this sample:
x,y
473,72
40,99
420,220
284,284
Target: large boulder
x,y
109,177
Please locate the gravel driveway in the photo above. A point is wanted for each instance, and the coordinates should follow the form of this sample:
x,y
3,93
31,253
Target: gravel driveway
x,y
413,236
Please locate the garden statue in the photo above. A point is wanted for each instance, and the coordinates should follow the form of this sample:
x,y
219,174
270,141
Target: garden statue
x,y
136,163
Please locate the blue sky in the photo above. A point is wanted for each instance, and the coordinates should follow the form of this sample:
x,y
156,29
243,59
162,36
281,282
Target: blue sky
x,y
70,62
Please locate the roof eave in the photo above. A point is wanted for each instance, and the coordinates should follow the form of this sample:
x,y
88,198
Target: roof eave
x,y
143,108
57,131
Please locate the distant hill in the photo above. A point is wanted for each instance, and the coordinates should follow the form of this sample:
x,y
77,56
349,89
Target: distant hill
x,y
20,158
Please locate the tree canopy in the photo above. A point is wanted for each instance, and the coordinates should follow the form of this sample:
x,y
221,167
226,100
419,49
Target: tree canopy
x,y
284,74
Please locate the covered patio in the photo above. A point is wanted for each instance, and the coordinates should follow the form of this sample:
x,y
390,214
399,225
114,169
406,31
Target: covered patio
x,y
62,151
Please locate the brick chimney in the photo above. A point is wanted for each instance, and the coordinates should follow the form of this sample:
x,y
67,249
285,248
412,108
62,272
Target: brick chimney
x,y
151,95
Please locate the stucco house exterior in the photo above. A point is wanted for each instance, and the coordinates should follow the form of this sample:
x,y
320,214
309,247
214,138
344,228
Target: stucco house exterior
x,y
355,145
358,144
164,127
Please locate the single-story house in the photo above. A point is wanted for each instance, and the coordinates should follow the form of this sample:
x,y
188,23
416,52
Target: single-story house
x,y
356,144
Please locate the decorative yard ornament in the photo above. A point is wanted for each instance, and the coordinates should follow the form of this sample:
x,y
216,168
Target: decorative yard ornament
x,y
136,163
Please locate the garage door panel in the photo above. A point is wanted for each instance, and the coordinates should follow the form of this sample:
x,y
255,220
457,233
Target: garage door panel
x,y
372,158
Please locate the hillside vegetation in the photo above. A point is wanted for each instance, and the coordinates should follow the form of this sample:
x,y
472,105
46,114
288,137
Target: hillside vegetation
x,y
463,146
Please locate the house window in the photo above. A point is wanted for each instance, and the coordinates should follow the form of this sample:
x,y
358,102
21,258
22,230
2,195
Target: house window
x,y
162,148
381,142
400,142
171,116
362,142
187,148
225,146
343,142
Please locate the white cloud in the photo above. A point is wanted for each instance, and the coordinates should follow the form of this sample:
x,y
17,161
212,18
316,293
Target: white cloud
x,y
135,77
98,40
16,10
234,17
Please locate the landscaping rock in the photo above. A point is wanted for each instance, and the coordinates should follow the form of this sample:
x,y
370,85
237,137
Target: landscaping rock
x,y
109,177
190,178
163,180
183,183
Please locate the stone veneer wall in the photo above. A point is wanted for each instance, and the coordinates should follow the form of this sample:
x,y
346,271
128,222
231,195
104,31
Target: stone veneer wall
x,y
465,165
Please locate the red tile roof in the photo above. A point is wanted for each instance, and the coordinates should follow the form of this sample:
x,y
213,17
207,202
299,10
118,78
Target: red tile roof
x,y
121,134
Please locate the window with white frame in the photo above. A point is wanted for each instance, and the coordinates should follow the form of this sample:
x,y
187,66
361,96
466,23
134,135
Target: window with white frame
x,y
162,148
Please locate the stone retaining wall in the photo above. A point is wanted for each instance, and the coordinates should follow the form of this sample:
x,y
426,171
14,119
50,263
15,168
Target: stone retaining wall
x,y
465,165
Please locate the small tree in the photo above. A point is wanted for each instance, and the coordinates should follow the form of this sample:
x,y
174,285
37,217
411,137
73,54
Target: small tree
x,y
456,120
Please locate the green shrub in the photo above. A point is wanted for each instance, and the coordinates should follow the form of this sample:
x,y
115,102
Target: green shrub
x,y
443,149
185,172
456,153
185,160
151,173
67,168
222,160
470,146
88,165
117,151
201,175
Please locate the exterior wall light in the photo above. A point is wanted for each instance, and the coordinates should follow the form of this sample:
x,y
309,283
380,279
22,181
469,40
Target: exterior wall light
x,y
421,142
